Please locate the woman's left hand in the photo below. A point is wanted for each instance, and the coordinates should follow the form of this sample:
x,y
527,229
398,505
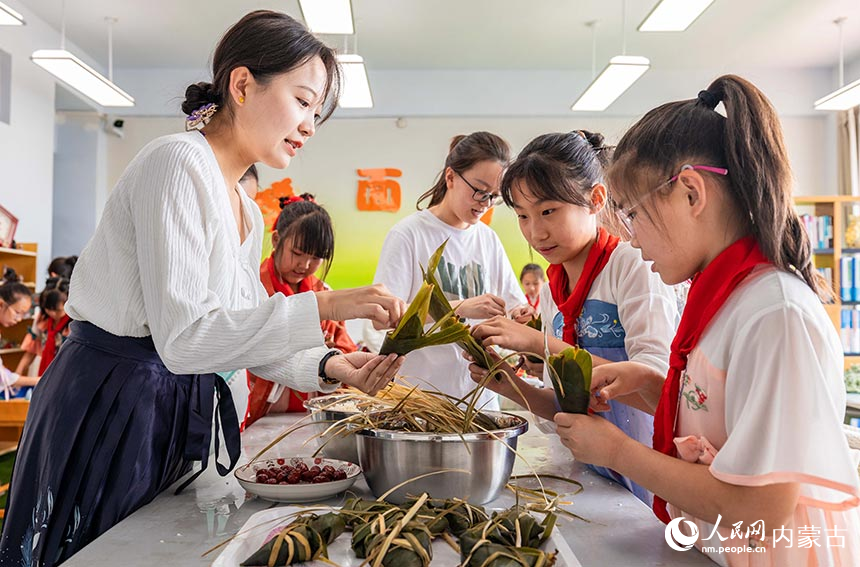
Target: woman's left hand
x,y
592,439
364,370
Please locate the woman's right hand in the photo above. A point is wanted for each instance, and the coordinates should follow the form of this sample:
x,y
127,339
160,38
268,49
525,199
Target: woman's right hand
x,y
481,307
364,370
372,302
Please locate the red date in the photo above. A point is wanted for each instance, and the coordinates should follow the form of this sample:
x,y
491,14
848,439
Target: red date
x,y
299,473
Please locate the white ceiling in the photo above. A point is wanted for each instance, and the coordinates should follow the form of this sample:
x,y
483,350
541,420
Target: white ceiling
x,y
480,34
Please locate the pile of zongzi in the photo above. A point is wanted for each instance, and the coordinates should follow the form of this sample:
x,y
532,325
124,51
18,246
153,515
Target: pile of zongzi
x,y
306,538
510,538
388,535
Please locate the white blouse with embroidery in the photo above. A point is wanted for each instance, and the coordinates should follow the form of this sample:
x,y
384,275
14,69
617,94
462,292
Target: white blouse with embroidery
x,y
762,402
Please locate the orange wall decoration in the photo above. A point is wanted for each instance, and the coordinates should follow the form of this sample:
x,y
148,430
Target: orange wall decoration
x,y
378,192
267,200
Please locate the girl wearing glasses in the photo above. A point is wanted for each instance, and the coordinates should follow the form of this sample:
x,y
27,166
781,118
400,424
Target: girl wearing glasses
x,y
748,422
474,272
15,303
601,295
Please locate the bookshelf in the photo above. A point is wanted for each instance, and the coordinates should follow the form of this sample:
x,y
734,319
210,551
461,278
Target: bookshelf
x,y
830,255
23,261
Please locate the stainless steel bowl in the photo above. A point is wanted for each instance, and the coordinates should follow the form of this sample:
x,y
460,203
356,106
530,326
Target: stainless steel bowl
x,y
389,458
340,447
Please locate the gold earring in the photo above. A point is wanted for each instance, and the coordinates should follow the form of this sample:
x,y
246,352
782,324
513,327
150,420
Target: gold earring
x,y
241,100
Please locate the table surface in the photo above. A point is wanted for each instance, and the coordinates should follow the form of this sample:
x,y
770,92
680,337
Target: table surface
x,y
178,530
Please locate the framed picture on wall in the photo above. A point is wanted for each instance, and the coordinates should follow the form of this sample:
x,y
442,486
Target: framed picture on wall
x,y
8,224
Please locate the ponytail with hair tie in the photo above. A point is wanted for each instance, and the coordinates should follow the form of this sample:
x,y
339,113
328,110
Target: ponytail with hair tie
x,y
708,99
284,201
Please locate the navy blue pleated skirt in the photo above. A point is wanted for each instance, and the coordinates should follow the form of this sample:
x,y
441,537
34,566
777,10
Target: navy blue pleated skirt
x,y
109,428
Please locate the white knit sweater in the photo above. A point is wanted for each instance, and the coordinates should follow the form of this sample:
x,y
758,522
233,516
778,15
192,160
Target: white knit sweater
x,y
166,261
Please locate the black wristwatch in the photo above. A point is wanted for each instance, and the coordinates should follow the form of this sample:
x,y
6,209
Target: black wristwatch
x,y
325,378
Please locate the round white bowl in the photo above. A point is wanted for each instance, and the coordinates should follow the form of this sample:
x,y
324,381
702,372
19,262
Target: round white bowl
x,y
302,492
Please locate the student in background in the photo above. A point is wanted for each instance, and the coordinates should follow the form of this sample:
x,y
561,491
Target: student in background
x,y
50,327
531,278
474,273
302,242
601,295
748,423
15,304
250,182
62,267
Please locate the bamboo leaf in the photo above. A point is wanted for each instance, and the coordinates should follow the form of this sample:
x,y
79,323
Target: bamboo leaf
x,y
570,373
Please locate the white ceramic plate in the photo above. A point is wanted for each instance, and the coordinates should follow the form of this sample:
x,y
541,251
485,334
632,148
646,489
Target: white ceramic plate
x,y
254,532
302,492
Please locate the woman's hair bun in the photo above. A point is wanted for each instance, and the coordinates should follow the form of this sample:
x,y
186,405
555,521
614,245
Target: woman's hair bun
x,y
197,95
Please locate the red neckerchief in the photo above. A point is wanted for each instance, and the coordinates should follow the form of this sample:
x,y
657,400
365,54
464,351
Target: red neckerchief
x,y
709,291
535,304
571,305
260,389
278,284
50,349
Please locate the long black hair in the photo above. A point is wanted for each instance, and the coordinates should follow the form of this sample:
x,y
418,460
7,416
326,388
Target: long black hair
x,y
11,288
269,44
56,292
747,141
559,167
563,167
308,226
463,153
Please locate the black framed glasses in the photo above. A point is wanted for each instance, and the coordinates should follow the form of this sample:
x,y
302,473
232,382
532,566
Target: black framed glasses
x,y
480,195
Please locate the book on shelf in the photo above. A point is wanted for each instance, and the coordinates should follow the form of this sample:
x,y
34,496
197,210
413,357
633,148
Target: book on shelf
x,y
827,274
849,330
819,229
849,278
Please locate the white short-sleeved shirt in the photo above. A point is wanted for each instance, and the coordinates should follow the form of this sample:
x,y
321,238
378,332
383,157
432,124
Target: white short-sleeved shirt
x,y
628,307
166,262
762,402
474,263
628,314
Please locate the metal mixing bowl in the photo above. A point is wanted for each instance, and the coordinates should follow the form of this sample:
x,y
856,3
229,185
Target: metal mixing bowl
x,y
341,447
389,458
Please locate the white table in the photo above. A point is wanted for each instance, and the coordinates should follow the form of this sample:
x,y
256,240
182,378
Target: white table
x,y
177,530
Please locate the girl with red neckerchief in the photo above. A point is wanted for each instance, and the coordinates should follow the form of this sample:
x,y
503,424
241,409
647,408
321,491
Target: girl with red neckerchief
x,y
532,280
601,296
748,422
50,329
302,241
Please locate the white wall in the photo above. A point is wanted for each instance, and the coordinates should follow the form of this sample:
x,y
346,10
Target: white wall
x,y
27,143
326,167
342,145
517,92
80,188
